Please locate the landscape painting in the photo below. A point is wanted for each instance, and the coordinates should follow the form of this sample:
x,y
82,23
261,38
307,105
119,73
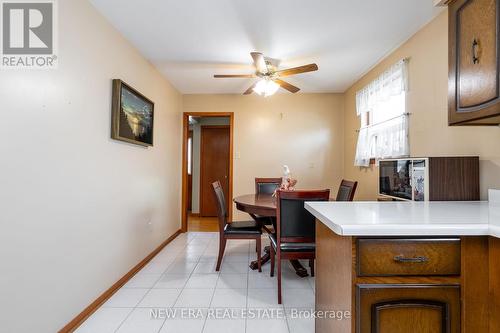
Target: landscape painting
x,y
132,115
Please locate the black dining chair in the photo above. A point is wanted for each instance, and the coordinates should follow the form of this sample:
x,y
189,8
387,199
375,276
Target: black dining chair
x,y
266,186
295,229
347,189
234,230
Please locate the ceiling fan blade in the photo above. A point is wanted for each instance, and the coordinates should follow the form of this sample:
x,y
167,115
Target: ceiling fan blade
x,y
298,70
285,85
250,90
259,61
245,76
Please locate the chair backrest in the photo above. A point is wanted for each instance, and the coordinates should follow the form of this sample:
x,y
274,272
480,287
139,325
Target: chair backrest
x,y
266,185
294,223
221,205
346,191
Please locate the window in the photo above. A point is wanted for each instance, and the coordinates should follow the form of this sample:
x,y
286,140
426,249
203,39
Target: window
x,y
381,107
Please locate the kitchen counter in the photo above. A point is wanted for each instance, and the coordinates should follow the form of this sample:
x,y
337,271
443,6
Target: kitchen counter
x,y
387,263
436,218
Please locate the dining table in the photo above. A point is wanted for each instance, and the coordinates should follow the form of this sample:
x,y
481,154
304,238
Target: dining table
x,y
264,205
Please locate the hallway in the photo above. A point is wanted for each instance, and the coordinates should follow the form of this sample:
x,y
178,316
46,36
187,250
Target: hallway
x,y
202,224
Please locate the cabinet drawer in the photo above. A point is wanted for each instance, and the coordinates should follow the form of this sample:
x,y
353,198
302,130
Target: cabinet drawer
x,y
396,257
407,308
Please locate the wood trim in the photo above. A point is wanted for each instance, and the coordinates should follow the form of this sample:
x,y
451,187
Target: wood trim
x,y
89,310
185,130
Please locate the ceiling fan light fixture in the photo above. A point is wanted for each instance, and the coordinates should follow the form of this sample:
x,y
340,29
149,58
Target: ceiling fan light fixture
x,y
266,87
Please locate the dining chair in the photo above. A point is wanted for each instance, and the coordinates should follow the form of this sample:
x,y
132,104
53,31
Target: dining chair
x,y
234,230
295,229
266,186
347,189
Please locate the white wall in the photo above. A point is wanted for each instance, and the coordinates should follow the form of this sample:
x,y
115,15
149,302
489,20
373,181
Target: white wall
x,y
203,121
74,204
304,131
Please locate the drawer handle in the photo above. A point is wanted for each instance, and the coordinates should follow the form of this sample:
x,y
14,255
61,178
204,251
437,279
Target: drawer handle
x,y
475,55
403,259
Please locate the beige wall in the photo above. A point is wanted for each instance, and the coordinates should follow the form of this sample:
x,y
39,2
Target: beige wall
x,y
430,134
303,131
75,206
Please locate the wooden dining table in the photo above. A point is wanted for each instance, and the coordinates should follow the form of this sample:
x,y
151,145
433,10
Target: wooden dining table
x,y
264,205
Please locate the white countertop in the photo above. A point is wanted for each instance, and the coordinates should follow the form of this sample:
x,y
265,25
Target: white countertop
x,y
495,219
435,218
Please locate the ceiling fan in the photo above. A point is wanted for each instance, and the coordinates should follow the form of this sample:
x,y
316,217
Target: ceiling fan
x,y
270,76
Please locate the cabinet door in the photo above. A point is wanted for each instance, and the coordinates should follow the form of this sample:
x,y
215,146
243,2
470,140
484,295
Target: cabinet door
x,y
474,70
408,309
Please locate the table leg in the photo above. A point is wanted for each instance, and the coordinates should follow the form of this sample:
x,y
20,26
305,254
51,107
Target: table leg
x,y
264,259
299,269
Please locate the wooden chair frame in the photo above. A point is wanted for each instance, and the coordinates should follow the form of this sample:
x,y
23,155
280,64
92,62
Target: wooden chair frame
x,y
223,220
311,255
352,185
265,181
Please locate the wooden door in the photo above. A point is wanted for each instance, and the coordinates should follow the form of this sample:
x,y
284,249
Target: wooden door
x,y
474,70
214,165
408,308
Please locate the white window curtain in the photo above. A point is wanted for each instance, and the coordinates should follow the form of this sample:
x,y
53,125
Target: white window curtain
x,y
384,99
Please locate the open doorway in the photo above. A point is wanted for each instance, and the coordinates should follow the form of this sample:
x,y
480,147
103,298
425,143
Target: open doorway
x,y
207,157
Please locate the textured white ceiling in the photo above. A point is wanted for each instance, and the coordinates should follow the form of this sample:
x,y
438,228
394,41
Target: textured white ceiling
x,y
190,40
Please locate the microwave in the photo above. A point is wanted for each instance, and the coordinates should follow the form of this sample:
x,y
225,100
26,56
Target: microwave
x,y
404,179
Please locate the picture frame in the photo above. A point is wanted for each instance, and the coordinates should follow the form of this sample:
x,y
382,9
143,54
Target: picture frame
x,y
132,115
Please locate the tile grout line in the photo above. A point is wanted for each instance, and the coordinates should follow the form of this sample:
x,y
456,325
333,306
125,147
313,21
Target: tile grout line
x,y
135,307
200,251
151,288
248,278
211,299
175,301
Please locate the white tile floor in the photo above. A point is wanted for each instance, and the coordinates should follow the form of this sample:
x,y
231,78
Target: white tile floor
x,y
182,277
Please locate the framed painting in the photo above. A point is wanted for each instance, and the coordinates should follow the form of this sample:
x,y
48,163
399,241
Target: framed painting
x,y
132,115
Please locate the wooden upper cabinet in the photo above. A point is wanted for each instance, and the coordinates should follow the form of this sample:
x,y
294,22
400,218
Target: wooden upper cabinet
x,y
474,86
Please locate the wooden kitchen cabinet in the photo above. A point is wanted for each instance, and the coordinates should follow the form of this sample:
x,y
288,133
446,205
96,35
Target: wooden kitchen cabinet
x,y
474,89
408,308
494,284
407,284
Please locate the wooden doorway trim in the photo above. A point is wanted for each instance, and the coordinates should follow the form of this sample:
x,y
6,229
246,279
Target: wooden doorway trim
x,y
185,132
